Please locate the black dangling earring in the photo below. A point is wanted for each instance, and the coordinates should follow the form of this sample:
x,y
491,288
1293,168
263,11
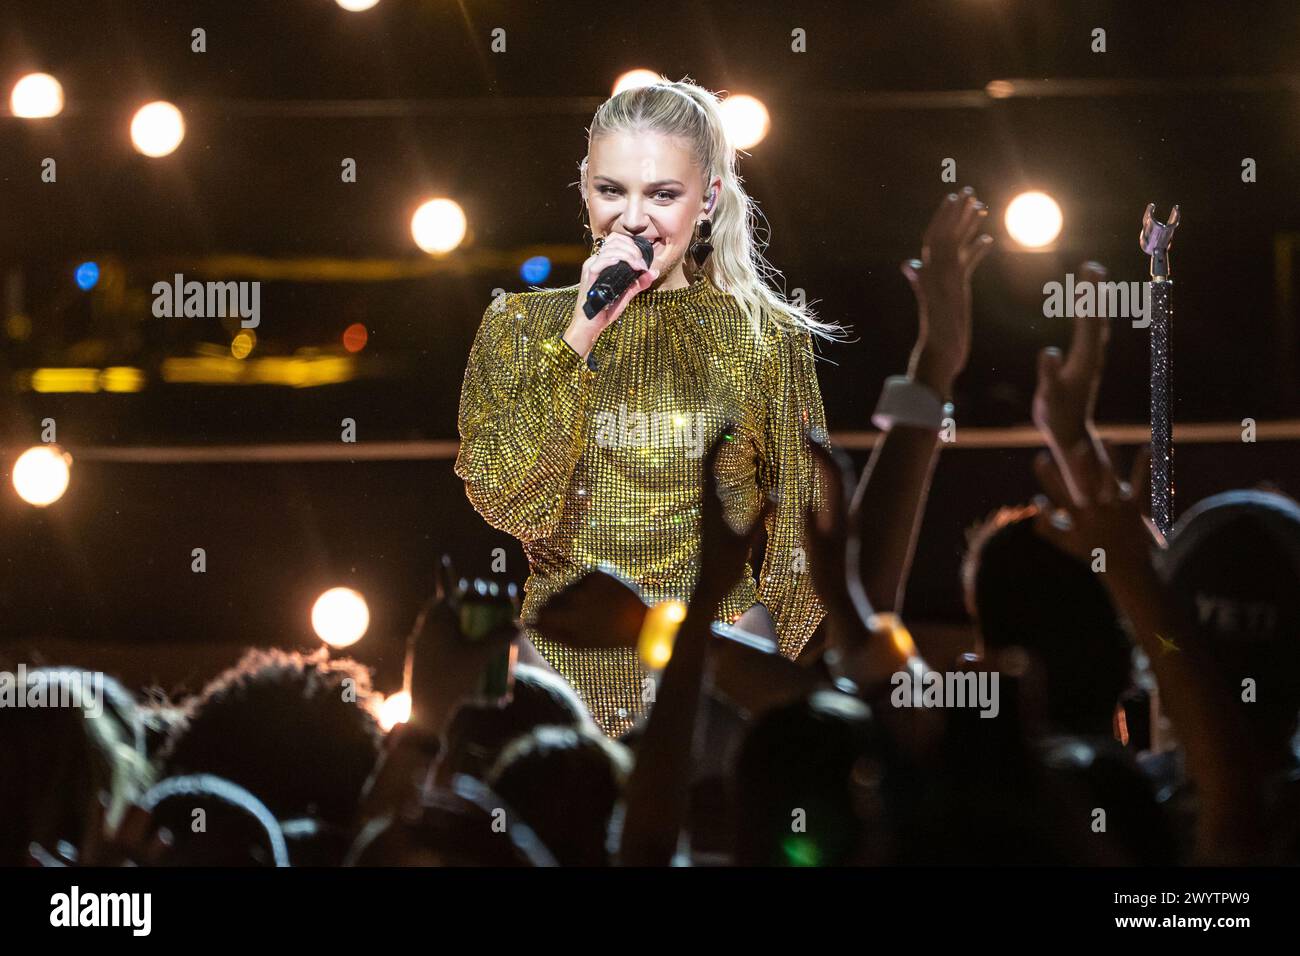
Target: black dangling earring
x,y
700,248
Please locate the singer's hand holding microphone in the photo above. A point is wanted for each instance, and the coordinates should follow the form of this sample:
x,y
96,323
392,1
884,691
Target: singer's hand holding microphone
x,y
610,278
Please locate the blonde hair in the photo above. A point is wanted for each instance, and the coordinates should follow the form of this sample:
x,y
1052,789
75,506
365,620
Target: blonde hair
x,y
737,266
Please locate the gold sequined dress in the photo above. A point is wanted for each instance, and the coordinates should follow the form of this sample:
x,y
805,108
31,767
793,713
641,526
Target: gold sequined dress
x,y
600,462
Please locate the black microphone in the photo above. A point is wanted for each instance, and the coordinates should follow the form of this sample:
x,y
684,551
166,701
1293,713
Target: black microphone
x,y
614,280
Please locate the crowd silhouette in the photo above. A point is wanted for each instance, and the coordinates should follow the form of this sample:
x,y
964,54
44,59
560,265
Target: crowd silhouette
x,y
746,757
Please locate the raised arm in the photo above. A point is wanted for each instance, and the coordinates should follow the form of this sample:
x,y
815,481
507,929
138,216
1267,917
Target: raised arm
x,y
1066,393
891,495
658,790
1221,757
442,669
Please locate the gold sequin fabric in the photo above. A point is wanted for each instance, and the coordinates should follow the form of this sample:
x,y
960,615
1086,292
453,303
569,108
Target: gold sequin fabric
x,y
600,462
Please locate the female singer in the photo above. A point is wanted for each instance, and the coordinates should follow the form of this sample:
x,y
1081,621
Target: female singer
x,y
583,438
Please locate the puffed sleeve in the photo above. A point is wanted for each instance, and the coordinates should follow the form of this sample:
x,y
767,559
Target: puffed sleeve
x,y
786,468
523,411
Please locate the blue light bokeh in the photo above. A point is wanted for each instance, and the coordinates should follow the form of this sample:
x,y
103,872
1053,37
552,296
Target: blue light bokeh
x,y
87,275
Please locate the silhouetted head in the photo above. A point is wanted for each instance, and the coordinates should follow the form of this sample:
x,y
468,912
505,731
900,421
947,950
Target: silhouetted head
x,y
805,777
314,842
1114,818
75,742
462,824
1025,592
206,821
565,781
478,733
297,731
1234,562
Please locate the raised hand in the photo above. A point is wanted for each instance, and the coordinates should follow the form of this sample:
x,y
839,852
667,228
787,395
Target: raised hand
x,y
1102,512
757,680
447,652
1222,759
723,550
861,645
951,249
656,793
599,610
833,540
442,665
1067,387
136,842
1066,394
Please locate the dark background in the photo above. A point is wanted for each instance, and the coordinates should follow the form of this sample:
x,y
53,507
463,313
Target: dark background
x,y
847,179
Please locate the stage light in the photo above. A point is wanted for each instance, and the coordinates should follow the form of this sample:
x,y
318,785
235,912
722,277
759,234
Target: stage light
x,y
1033,219
746,120
658,632
340,617
635,78
65,380
157,129
356,6
438,225
536,269
87,275
121,378
241,346
36,96
396,709
41,474
296,371
355,337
